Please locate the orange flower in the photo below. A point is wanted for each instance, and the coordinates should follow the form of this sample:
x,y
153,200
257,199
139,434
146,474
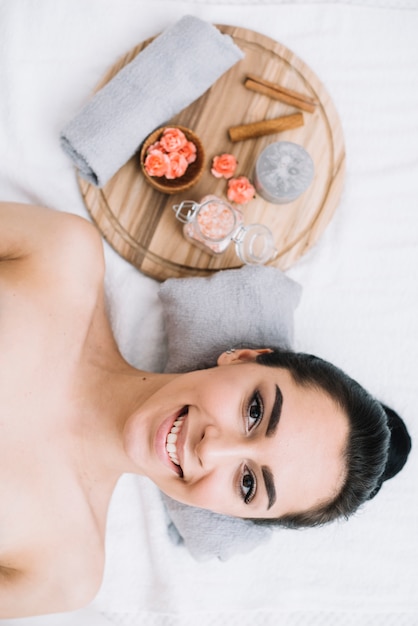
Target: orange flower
x,y
240,190
155,146
177,165
224,165
156,163
173,140
188,151
171,155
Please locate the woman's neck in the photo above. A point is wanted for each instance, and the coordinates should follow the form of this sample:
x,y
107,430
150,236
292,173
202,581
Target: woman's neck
x,y
110,391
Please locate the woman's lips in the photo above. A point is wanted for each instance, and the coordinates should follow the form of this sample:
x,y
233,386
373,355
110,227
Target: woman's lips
x,y
161,440
181,438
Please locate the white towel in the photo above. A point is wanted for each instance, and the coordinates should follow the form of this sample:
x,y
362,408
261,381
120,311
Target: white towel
x,y
169,74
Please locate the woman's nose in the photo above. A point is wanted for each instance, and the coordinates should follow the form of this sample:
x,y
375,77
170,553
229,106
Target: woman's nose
x,y
217,447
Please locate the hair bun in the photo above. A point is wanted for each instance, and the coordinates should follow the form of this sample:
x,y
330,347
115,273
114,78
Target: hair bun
x,y
400,444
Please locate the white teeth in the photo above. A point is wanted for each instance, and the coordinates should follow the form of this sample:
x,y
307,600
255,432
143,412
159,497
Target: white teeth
x,y
171,445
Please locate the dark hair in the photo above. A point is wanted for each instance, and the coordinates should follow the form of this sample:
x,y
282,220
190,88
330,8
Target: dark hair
x,y
378,444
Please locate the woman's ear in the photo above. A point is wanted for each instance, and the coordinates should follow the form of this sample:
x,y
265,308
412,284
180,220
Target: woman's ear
x,y
241,355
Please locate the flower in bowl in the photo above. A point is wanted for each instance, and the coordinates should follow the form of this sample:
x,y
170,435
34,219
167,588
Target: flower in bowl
x,y
172,159
156,162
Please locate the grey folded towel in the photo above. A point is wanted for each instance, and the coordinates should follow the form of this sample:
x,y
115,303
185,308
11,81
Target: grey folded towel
x,y
206,534
175,69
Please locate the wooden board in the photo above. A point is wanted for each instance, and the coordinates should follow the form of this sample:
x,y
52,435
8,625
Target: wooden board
x,y
138,221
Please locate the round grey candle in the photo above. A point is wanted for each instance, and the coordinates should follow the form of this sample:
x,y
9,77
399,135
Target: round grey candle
x,y
283,171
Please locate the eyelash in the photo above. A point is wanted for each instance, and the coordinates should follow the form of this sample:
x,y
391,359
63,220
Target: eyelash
x,y
248,491
256,398
247,496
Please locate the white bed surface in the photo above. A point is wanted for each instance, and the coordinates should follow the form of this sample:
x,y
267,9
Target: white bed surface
x,y
358,308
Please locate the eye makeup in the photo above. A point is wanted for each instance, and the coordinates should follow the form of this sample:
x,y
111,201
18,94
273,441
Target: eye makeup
x,y
254,415
254,412
248,485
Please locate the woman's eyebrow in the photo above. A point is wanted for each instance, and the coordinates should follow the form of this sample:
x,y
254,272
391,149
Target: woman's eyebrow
x,y
269,483
275,413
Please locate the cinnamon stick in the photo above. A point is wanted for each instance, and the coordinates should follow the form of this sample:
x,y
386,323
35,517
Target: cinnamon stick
x,y
277,87
288,96
265,127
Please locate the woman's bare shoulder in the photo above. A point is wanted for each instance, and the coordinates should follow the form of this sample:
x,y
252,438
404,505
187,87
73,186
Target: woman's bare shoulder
x,y
42,247
56,563
39,591
27,228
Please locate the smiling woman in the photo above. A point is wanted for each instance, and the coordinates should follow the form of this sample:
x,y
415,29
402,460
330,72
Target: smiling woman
x,y
265,435
251,441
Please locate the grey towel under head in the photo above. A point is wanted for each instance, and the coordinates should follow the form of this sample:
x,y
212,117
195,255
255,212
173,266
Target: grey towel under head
x,y
171,72
208,534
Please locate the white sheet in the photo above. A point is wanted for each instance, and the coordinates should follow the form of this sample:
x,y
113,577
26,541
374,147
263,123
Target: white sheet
x,y
359,306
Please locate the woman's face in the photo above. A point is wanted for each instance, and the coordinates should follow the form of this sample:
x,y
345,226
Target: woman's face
x,y
248,441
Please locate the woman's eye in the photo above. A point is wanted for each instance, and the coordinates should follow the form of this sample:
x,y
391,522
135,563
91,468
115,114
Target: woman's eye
x,y
255,411
248,485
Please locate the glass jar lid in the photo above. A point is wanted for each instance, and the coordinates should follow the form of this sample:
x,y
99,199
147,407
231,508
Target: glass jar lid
x,y
254,244
186,210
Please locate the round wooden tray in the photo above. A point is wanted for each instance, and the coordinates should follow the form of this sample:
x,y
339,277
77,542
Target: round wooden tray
x,y
138,221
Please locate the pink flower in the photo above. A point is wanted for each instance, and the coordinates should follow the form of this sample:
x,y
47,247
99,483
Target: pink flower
x,y
188,151
224,165
156,163
177,165
173,139
240,190
155,146
170,155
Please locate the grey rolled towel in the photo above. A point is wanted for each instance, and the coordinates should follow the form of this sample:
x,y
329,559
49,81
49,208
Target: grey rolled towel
x,y
175,69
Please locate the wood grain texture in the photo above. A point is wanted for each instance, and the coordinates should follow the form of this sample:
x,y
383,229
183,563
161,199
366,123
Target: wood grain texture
x,y
138,221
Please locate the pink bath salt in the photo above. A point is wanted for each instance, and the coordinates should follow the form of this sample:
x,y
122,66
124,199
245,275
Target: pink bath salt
x,y
215,221
190,231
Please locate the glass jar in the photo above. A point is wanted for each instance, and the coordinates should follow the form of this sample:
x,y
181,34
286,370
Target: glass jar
x,y
283,171
213,224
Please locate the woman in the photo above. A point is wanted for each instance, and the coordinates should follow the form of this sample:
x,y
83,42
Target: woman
x,y
243,438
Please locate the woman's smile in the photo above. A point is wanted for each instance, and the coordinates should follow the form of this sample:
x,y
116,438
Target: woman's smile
x,y
241,439
173,442
169,441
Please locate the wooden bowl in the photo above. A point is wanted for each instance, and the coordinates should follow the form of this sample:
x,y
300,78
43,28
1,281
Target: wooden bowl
x,y
194,170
